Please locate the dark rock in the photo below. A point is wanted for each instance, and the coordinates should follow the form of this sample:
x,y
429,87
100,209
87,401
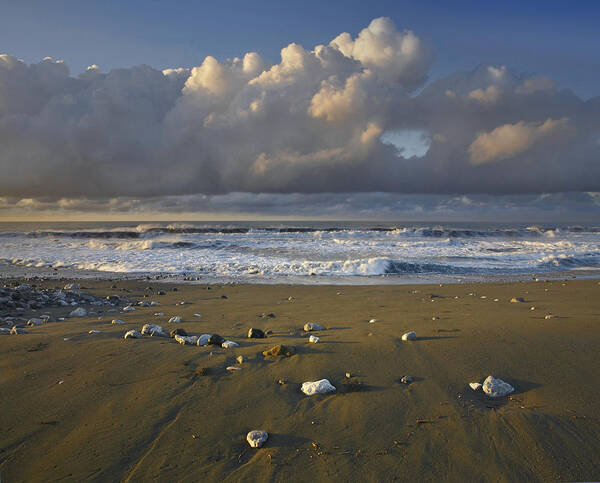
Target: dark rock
x,y
160,292
216,339
223,296
256,334
407,380
177,331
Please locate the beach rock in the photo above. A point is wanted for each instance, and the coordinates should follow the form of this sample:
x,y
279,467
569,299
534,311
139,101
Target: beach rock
x,y
549,316
184,302
313,339
143,303
128,308
94,332
322,386
229,344
215,339
233,368
71,286
186,340
78,312
203,339
279,350
4,331
516,300
475,386
177,331
158,314
117,322
257,438
409,336
154,304
372,321
256,334
34,321
240,359
310,326
17,330
198,315
132,334
496,387
407,380
223,296
175,320
154,330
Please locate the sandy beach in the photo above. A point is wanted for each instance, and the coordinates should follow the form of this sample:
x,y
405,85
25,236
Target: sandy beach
x,y
77,406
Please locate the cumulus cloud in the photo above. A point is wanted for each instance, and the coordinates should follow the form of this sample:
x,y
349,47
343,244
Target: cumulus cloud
x,y
316,121
508,140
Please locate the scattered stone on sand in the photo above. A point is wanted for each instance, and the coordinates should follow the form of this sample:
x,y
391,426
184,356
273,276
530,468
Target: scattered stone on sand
x,y
78,312
409,336
197,315
257,438
132,334
158,314
229,344
516,300
531,308
372,321
117,322
94,331
240,359
184,302
475,386
177,331
203,339
186,340
496,300
128,308
407,380
322,386
17,330
496,387
313,339
255,334
233,368
34,321
279,350
154,330
281,382
215,339
310,326
175,320
549,316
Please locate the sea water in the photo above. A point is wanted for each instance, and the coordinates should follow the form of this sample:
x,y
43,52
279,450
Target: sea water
x,y
304,252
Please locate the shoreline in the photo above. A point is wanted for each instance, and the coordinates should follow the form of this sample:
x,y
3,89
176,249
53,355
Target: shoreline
x,y
93,406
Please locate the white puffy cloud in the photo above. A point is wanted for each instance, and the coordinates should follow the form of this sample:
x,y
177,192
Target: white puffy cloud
x,y
312,122
510,140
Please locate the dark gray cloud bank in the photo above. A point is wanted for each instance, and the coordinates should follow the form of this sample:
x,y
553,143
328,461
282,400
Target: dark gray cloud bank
x,y
247,132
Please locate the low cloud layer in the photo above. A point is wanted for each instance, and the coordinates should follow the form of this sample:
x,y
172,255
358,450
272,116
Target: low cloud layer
x,y
311,123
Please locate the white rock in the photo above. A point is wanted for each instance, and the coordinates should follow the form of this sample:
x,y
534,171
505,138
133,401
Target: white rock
x,y
322,386
257,438
496,387
549,316
94,331
475,386
158,314
313,339
372,321
117,322
154,304
78,312
229,344
410,336
175,320
187,340
132,334
34,322
71,286
154,330
203,339
128,308
309,326
197,315
233,369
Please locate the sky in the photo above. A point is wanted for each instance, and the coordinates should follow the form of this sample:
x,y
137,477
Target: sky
x,y
278,109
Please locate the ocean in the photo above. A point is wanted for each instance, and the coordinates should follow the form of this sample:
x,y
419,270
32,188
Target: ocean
x,y
304,252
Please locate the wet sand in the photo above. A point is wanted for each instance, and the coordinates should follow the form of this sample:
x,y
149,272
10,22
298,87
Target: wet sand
x,y
138,410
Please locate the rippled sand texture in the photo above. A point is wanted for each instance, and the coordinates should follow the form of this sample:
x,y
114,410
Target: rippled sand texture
x,y
152,409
